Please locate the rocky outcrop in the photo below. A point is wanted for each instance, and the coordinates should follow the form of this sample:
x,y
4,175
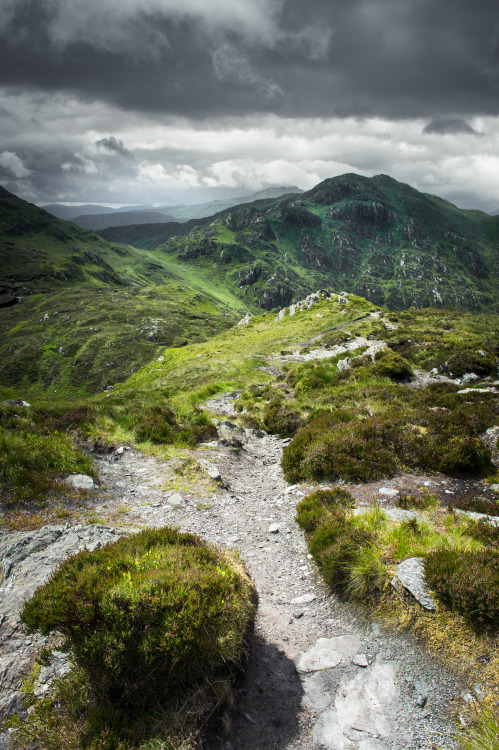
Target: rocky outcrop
x,y
27,559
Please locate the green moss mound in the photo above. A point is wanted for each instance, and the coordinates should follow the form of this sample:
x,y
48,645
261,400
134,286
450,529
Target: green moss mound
x,y
150,619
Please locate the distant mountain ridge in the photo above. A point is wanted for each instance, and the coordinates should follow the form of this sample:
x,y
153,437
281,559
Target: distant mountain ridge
x,y
100,217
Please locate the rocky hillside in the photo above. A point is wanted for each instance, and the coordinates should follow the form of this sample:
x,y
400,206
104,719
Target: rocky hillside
x,y
374,237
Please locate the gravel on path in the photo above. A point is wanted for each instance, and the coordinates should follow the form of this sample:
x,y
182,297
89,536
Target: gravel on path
x,y
321,676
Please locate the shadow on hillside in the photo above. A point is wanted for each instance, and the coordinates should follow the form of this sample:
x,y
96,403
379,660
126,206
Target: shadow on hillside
x,y
266,715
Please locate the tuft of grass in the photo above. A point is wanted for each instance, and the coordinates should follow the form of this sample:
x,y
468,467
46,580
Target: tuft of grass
x,y
31,463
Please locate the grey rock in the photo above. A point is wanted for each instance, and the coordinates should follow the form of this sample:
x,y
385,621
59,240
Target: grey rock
x,y
244,321
16,402
469,377
274,528
58,667
361,711
400,514
494,487
328,653
320,688
422,691
304,599
230,431
343,364
388,491
492,520
360,660
210,469
176,500
410,577
80,482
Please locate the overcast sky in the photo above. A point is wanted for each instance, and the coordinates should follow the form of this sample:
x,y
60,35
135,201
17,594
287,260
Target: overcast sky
x,y
161,101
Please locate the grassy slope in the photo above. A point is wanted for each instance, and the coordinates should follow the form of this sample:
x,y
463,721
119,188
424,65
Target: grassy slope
x,y
91,312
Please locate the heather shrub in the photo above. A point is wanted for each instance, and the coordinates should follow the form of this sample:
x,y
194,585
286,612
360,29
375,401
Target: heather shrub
x,y
467,581
30,463
343,547
468,361
353,450
485,532
365,448
281,419
159,424
149,618
469,501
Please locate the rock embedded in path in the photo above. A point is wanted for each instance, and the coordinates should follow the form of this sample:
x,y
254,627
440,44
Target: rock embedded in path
x,y
210,469
80,482
360,660
361,713
410,577
328,653
304,599
274,528
176,500
388,491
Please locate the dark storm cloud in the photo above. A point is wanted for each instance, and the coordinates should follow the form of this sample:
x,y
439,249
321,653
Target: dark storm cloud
x,y
388,58
449,126
113,145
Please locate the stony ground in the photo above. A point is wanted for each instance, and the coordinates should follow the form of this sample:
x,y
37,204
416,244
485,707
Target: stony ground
x,y
321,676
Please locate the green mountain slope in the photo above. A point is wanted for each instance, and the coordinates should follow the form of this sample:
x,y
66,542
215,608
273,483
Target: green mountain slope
x,y
374,237
91,312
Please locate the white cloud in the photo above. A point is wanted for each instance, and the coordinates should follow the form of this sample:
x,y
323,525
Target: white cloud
x,y
14,164
177,160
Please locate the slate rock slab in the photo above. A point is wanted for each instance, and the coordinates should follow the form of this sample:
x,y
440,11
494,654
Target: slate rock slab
x,y
410,576
328,653
361,712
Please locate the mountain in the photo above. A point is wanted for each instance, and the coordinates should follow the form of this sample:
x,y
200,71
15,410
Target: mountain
x,y
79,313
375,237
120,219
128,215
208,209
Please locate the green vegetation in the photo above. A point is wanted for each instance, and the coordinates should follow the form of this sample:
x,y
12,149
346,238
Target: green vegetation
x,y
158,625
32,460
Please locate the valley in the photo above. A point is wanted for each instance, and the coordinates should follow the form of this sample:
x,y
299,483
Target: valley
x,y
353,428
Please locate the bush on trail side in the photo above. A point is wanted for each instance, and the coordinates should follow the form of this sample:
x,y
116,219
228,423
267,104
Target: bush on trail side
x,y
149,618
467,581
342,546
365,449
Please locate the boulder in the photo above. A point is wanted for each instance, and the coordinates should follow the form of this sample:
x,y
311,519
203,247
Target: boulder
x,y
210,469
410,578
80,482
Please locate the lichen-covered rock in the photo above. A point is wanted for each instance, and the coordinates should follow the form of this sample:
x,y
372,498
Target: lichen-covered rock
x,y
27,559
410,577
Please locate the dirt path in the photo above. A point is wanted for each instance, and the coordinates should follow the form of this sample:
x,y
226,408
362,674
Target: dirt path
x,y
360,687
